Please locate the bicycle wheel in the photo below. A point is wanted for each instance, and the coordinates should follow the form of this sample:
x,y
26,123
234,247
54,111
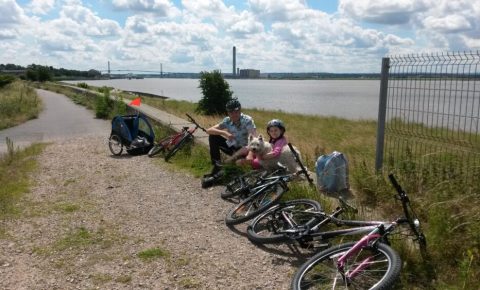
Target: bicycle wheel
x,y
240,185
254,205
186,138
272,225
115,145
155,150
378,272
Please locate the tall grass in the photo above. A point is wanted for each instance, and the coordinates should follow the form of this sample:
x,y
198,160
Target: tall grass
x,y
15,166
18,103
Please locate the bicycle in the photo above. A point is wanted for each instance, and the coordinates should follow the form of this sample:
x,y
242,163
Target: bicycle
x,y
241,185
263,194
369,263
286,224
170,145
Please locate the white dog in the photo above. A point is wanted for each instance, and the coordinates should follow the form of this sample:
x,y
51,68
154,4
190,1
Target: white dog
x,y
258,146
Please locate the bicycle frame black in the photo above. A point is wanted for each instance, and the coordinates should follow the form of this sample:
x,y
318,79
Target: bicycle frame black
x,y
267,182
186,131
313,230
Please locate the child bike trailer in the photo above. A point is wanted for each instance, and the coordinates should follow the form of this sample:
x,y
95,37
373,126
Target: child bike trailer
x,y
132,132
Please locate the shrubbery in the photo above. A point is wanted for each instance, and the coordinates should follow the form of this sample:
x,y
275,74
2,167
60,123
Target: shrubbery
x,y
106,108
5,80
216,93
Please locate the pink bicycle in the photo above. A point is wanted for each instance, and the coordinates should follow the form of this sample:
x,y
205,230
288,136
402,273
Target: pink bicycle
x,y
369,263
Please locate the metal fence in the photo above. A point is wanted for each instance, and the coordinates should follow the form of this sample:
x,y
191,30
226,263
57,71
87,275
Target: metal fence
x,y
429,113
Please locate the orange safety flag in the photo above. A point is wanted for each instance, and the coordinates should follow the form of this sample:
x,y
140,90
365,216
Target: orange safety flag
x,y
136,102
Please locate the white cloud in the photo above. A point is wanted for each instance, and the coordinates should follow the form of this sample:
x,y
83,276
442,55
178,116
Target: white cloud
x,y
10,13
206,8
41,6
158,7
275,10
7,33
447,24
385,12
89,23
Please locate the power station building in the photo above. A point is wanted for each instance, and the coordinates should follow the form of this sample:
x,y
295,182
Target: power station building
x,y
243,73
250,73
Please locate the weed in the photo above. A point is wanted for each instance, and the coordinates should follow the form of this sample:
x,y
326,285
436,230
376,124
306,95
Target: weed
x,y
189,283
101,278
154,253
125,279
67,207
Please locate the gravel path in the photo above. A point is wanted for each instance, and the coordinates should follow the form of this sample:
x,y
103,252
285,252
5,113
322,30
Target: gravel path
x,y
89,215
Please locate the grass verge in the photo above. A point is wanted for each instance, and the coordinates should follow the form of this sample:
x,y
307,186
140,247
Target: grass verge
x,y
18,104
15,167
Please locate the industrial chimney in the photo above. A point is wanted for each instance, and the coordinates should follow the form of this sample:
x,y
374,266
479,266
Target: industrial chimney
x,y
234,60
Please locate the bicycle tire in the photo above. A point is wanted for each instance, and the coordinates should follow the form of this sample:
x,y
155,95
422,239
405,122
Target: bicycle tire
x,y
254,205
240,185
155,150
268,227
178,146
320,271
160,146
115,145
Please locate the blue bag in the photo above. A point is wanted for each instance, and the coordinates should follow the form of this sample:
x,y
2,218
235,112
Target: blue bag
x,y
332,172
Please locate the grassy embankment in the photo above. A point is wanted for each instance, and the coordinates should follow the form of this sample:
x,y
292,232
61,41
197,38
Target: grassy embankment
x,y
448,208
18,104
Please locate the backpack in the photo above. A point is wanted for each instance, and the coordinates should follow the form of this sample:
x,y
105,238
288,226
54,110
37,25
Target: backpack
x,y
332,172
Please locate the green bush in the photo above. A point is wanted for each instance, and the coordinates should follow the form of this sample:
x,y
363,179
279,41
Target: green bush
x,y
83,85
5,80
103,106
216,93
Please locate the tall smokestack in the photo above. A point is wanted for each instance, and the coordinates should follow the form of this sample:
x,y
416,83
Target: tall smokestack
x,y
234,60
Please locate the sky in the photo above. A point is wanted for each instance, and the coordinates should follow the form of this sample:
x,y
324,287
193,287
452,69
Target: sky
x,y
336,36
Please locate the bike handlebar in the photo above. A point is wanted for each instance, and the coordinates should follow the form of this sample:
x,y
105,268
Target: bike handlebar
x,y
195,122
410,217
395,184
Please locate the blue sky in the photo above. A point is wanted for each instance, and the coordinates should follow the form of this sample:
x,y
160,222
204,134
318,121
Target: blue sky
x,y
198,35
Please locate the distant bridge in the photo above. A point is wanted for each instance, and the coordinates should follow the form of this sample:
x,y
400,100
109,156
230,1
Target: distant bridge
x,y
133,71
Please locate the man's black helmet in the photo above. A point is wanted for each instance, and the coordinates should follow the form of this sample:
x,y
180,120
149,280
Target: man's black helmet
x,y
233,105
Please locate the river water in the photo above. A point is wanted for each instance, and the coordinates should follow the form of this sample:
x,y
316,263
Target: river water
x,y
350,99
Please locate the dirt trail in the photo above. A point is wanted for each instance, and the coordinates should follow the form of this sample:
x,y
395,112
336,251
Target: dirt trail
x,y
89,215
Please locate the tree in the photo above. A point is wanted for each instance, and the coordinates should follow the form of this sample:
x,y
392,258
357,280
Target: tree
x,y
216,93
39,73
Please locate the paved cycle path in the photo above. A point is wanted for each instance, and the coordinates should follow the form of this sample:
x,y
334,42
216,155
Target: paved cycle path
x,y
60,119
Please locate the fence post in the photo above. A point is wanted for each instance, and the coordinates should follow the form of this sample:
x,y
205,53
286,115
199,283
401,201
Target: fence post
x,y
382,109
